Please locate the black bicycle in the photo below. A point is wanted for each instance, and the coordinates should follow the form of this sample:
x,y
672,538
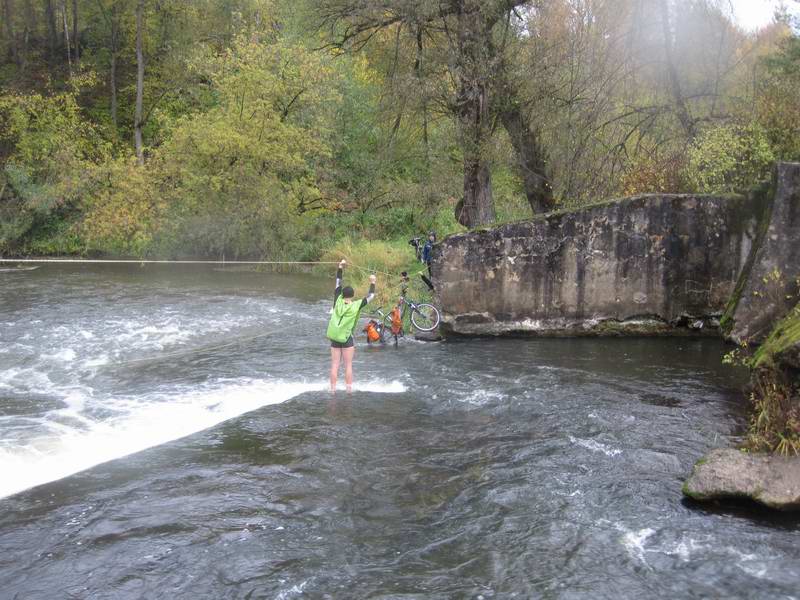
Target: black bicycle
x,y
423,316
417,244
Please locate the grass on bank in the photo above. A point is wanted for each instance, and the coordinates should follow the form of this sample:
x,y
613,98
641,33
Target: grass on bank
x,y
775,423
387,259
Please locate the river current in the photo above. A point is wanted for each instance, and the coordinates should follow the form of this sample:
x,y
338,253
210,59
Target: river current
x,y
166,432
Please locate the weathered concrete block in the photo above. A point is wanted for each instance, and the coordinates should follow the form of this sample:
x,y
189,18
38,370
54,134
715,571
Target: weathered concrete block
x,y
726,473
769,287
652,264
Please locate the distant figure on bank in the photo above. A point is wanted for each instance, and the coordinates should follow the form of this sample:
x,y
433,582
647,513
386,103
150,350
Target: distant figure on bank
x,y
344,320
427,249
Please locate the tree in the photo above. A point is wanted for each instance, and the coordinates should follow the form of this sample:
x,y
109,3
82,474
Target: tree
x,y
138,122
777,108
13,44
52,36
66,36
53,151
681,109
75,38
469,36
113,19
729,159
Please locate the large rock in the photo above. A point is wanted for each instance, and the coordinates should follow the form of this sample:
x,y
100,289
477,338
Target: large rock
x,y
653,264
768,286
773,481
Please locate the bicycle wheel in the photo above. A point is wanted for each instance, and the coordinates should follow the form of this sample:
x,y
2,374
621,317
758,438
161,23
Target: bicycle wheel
x,y
425,317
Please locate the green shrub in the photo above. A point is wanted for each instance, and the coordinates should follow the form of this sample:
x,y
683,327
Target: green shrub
x,y
52,150
729,158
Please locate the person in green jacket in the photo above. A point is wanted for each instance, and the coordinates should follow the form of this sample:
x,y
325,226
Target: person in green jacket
x,y
344,320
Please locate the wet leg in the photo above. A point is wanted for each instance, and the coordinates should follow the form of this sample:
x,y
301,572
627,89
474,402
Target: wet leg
x,y
336,356
348,354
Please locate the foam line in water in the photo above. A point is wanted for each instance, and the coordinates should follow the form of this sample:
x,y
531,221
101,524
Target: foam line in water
x,y
147,424
595,446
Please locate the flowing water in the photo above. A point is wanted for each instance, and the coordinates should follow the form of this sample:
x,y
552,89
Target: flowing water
x,y
165,432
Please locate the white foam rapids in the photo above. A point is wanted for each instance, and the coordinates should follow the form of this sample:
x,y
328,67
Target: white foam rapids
x,y
139,425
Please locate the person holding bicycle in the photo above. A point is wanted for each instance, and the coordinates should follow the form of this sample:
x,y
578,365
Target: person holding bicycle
x,y
343,322
428,248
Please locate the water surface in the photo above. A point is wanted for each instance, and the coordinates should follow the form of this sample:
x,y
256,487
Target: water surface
x,y
166,431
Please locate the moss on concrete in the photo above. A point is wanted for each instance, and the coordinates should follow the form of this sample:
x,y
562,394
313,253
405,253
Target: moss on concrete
x,y
644,327
761,199
785,335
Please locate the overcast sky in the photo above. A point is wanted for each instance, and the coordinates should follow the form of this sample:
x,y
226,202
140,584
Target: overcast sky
x,y
752,14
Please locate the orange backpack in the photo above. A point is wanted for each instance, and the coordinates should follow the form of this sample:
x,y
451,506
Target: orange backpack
x,y
397,321
372,331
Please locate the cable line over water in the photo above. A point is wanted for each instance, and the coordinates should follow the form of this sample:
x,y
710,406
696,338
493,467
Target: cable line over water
x,y
191,262
208,348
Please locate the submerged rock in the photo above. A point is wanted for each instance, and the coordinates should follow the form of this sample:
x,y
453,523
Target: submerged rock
x,y
428,336
773,481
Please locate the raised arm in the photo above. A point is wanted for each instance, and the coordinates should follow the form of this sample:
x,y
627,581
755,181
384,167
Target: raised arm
x,y
371,294
339,274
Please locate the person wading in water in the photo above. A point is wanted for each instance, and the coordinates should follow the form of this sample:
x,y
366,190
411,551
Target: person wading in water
x,y
341,326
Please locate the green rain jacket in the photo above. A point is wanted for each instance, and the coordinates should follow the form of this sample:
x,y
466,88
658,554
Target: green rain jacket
x,y
344,319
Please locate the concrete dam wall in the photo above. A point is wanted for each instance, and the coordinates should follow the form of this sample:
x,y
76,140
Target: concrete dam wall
x,y
645,265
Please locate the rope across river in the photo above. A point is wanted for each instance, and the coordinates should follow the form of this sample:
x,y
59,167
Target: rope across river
x,y
208,348
186,262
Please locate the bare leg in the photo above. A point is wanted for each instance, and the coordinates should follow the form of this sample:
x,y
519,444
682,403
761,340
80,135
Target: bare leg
x,y
348,354
336,355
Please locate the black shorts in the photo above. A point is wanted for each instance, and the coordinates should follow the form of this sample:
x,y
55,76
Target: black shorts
x,y
348,344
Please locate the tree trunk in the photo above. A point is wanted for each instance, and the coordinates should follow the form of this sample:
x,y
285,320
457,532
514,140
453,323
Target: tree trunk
x,y
52,35
681,109
474,119
531,157
30,25
113,70
477,206
113,85
66,36
139,84
8,12
418,74
75,39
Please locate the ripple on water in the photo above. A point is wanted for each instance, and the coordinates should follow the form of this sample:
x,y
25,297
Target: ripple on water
x,y
595,446
502,468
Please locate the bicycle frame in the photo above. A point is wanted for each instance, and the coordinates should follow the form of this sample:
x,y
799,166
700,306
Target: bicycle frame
x,y
410,307
405,305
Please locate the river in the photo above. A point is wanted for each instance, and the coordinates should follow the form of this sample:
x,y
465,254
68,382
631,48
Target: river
x,y
166,432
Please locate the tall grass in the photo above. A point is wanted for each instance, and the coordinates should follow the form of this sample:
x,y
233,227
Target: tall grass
x,y
386,259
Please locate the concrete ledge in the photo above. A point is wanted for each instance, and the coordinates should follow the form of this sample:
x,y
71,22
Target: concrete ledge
x,y
647,265
646,325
